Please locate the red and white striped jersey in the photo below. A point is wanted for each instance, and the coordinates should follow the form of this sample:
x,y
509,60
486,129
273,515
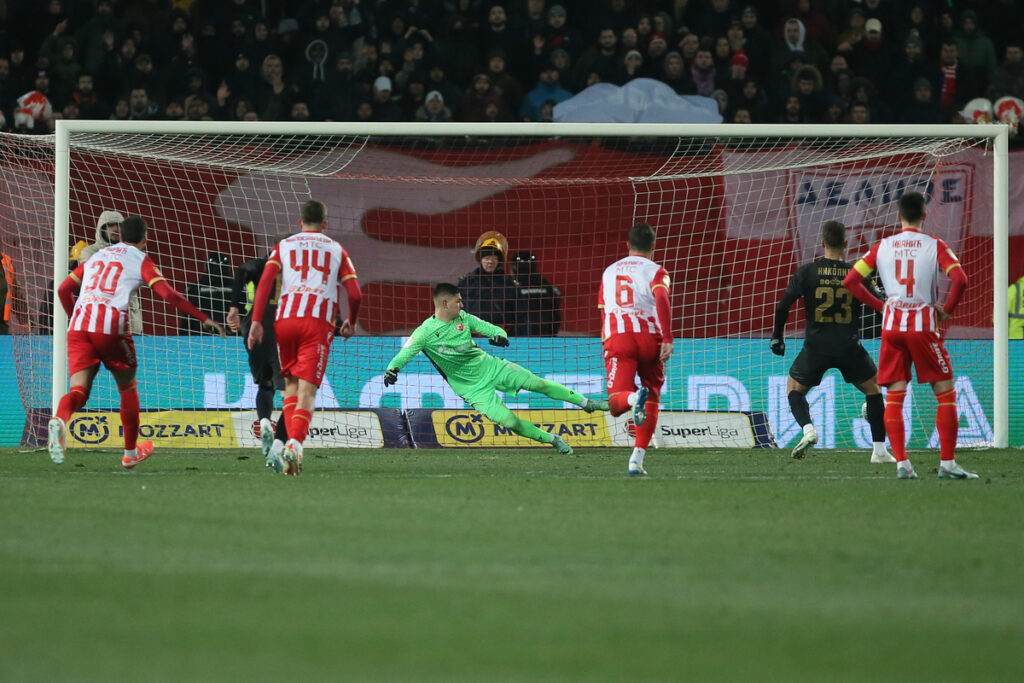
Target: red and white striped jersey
x,y
107,281
909,264
313,266
627,296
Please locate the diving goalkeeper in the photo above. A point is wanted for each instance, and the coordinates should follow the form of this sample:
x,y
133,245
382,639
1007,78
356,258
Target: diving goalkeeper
x,y
447,340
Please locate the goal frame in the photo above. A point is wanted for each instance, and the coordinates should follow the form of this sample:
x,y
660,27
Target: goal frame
x,y
997,133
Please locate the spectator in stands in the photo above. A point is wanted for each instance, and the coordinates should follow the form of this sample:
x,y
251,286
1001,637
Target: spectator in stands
x,y
975,49
548,88
141,107
20,75
722,98
907,71
310,75
754,99
91,38
794,39
613,14
242,79
871,55
458,49
175,110
273,96
86,99
816,23
851,35
662,23
561,35
807,86
602,58
922,108
478,97
715,20
437,79
860,113
108,232
629,40
676,77
960,83
488,292
387,105
757,43
792,111
1008,78
835,110
547,111
689,45
721,53
540,302
919,25
122,110
141,75
703,73
285,42
433,108
632,67
505,85
535,22
503,34
657,48
560,58
737,75
165,44
644,29
64,68
865,92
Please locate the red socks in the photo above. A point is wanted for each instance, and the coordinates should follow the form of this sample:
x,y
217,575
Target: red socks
x,y
72,402
947,422
130,414
645,431
298,428
289,411
618,403
894,423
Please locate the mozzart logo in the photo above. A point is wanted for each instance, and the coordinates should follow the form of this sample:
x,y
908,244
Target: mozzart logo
x,y
90,429
465,427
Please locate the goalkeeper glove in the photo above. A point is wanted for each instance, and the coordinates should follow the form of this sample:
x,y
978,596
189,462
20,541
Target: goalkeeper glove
x,y
498,341
778,346
390,377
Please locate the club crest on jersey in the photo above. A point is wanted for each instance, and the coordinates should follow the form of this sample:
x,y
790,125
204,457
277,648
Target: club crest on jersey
x,y
460,327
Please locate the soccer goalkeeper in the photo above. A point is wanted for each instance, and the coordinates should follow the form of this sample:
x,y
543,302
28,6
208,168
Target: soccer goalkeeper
x,y
447,340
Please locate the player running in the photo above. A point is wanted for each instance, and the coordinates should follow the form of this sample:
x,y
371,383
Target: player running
x,y
637,336
313,270
99,332
909,265
831,340
446,338
264,364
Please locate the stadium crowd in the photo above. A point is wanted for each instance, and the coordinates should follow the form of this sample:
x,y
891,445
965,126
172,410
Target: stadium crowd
x,y
795,61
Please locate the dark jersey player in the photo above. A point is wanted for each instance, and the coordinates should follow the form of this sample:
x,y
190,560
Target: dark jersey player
x,y
264,364
831,340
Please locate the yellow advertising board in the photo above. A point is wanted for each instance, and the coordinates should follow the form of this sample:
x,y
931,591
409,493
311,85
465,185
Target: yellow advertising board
x,y
165,428
470,429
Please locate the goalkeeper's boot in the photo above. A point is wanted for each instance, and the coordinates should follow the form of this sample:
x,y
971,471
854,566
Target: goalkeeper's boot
x,y
142,451
266,435
592,406
292,456
904,470
884,457
954,471
809,438
640,407
56,439
560,445
274,461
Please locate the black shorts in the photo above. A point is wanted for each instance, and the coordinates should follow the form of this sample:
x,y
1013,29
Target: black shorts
x,y
810,366
264,363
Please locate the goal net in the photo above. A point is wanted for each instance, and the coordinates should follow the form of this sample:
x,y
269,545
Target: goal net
x,y
735,216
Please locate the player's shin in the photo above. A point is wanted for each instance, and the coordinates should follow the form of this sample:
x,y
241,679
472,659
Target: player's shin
x,y
264,401
290,402
645,432
798,406
556,391
72,402
281,430
130,414
947,423
894,423
876,417
298,428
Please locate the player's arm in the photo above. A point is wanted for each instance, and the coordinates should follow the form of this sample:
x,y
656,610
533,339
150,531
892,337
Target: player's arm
x,y
349,280
950,265
663,306
70,288
152,276
243,276
496,335
263,289
412,346
854,280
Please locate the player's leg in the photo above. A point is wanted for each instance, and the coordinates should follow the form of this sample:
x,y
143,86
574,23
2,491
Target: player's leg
x,y
521,378
134,452
933,366
83,363
805,373
652,377
859,370
489,404
620,361
894,373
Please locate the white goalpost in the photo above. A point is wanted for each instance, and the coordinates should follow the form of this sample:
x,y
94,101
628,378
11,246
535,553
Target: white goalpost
x,y
736,210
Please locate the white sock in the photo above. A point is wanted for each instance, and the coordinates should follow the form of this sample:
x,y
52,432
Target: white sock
x,y
277,446
878,447
637,458
905,465
947,464
130,453
631,399
809,428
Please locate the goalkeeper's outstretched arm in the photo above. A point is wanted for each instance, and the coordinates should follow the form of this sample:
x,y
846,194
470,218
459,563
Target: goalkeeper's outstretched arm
x,y
485,329
409,350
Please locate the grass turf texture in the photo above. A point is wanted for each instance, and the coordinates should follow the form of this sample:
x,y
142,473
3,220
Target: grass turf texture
x,y
510,566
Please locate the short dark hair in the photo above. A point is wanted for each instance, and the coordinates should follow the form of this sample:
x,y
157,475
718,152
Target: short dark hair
x,y
133,229
443,289
641,237
911,207
313,212
834,234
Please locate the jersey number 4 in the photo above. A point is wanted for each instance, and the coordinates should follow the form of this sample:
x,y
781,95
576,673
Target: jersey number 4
x,y
306,259
105,276
908,281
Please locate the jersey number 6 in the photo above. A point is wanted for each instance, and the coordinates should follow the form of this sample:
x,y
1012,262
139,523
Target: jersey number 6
x,y
624,291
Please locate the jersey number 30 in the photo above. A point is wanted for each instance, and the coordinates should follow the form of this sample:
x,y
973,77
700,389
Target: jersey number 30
x,y
105,276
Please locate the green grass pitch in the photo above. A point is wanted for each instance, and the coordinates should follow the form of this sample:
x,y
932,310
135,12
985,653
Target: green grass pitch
x,y
514,565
